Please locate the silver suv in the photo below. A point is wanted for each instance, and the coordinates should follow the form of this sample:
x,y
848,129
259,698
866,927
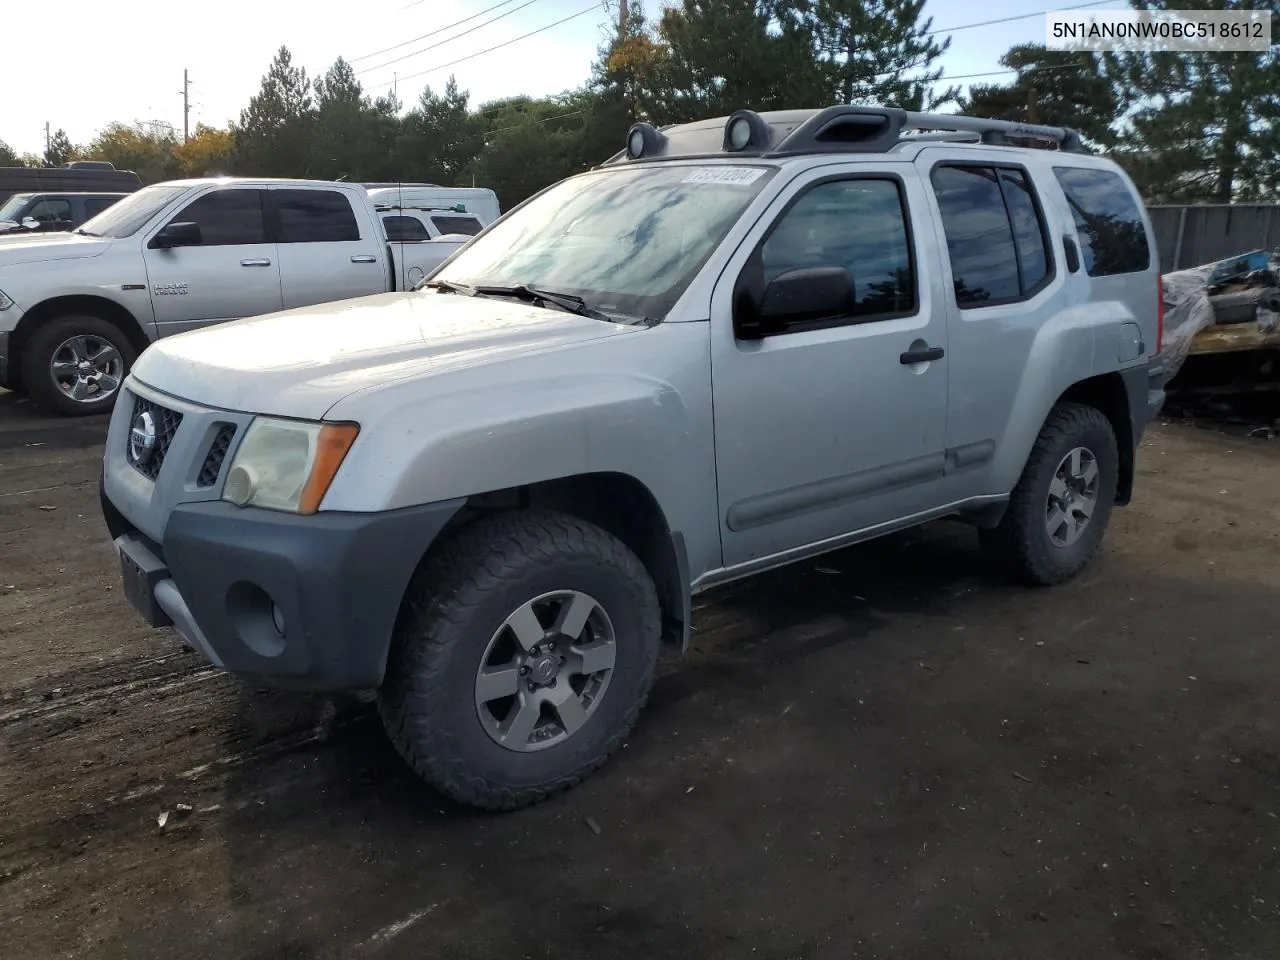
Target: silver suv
x,y
737,344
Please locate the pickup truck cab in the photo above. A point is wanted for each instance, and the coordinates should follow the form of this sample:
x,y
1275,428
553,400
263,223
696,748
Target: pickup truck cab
x,y
740,343
77,308
26,213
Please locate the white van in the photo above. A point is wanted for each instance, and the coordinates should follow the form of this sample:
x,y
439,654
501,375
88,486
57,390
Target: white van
x,y
478,202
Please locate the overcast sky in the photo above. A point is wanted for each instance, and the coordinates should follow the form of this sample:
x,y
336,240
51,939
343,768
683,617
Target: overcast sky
x,y
101,61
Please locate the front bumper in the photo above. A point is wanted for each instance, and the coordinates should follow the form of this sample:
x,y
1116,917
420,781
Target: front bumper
x,y
5,338
335,581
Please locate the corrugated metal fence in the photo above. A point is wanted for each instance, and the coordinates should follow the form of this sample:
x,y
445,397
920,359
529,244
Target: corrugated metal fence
x,y
1191,235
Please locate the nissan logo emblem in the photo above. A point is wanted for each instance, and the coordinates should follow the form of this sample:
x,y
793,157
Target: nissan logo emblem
x,y
142,437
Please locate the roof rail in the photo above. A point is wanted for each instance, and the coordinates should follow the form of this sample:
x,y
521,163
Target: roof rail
x,y
878,129
839,129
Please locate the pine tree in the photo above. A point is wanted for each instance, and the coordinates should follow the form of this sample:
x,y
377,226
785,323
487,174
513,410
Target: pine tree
x,y
273,137
1201,126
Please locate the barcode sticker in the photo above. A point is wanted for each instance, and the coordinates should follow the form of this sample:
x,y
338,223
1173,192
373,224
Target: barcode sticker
x,y
739,176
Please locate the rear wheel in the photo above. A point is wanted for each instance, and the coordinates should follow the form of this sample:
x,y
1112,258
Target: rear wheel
x,y
74,365
1059,510
523,654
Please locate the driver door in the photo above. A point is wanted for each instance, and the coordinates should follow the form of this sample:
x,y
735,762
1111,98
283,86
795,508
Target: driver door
x,y
829,427
232,273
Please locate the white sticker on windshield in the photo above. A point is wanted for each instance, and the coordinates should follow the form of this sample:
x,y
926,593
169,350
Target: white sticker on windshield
x,y
738,176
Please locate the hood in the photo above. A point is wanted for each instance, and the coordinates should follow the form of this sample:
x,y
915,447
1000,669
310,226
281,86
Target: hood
x,y
299,363
33,248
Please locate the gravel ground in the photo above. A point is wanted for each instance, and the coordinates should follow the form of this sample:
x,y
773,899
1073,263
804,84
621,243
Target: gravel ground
x,y
883,753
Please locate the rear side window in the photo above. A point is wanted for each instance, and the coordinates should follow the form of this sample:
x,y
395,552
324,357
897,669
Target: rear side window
x,y
1112,237
315,216
227,217
996,236
467,225
405,229
94,207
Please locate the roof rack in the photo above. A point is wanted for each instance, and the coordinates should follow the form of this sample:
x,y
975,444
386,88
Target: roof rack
x,y
838,129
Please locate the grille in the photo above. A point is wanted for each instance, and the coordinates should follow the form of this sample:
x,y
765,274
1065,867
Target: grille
x,y
164,422
217,453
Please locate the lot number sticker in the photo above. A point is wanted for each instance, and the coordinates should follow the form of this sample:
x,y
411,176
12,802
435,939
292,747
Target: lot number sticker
x,y
738,176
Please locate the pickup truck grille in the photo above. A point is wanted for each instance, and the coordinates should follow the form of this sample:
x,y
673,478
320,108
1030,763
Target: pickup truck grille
x,y
151,431
212,465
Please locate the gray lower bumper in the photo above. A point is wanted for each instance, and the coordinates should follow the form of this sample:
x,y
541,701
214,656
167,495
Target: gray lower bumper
x,y
306,603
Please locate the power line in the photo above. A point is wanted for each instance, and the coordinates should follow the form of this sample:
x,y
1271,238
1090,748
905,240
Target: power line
x,y
441,43
480,53
1021,16
432,33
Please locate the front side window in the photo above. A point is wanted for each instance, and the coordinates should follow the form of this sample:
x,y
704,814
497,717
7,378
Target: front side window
x,y
996,237
1113,239
315,216
51,210
226,217
628,241
859,225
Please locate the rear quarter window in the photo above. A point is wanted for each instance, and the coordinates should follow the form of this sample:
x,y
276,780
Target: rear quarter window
x,y
1108,220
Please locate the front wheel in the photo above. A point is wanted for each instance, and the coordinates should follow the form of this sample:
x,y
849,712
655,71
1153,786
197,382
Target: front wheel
x,y
1059,510
74,365
523,654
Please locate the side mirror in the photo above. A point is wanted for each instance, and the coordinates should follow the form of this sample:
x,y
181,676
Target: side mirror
x,y
31,223
796,296
178,235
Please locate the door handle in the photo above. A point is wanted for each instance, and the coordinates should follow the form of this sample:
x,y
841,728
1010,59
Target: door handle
x,y
364,258
923,355
255,263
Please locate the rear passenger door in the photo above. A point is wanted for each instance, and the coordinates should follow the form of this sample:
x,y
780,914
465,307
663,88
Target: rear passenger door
x,y
1002,284
323,256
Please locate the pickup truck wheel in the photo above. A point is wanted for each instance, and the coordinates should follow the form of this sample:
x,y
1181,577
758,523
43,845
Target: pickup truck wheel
x,y
74,365
1059,510
523,654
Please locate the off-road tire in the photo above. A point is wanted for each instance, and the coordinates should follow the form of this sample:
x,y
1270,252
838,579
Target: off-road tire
x,y
1020,545
457,601
37,355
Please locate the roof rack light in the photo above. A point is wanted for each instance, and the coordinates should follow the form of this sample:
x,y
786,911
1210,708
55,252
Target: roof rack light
x,y
644,139
745,130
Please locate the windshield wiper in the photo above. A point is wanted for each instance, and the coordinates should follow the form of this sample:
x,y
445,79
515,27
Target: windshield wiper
x,y
448,286
565,301
85,233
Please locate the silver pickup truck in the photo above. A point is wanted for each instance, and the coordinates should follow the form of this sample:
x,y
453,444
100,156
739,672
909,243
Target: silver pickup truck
x,y
76,309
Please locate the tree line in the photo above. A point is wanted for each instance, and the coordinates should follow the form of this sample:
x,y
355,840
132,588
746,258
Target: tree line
x,y
1189,127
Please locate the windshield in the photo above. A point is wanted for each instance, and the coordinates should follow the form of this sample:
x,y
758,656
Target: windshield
x,y
626,241
11,206
129,215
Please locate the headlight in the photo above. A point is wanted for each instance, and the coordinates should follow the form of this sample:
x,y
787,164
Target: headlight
x,y
5,302
287,464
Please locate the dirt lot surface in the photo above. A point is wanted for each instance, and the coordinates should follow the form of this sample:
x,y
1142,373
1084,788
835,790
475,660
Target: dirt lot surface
x,y
884,753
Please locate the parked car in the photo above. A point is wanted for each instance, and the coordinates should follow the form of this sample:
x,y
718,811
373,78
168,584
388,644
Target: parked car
x,y
453,209
25,213
97,176
738,344
77,308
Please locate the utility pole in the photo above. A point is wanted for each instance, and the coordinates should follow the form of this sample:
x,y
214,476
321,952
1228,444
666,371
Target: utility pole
x,y
622,16
48,141
1031,105
186,107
